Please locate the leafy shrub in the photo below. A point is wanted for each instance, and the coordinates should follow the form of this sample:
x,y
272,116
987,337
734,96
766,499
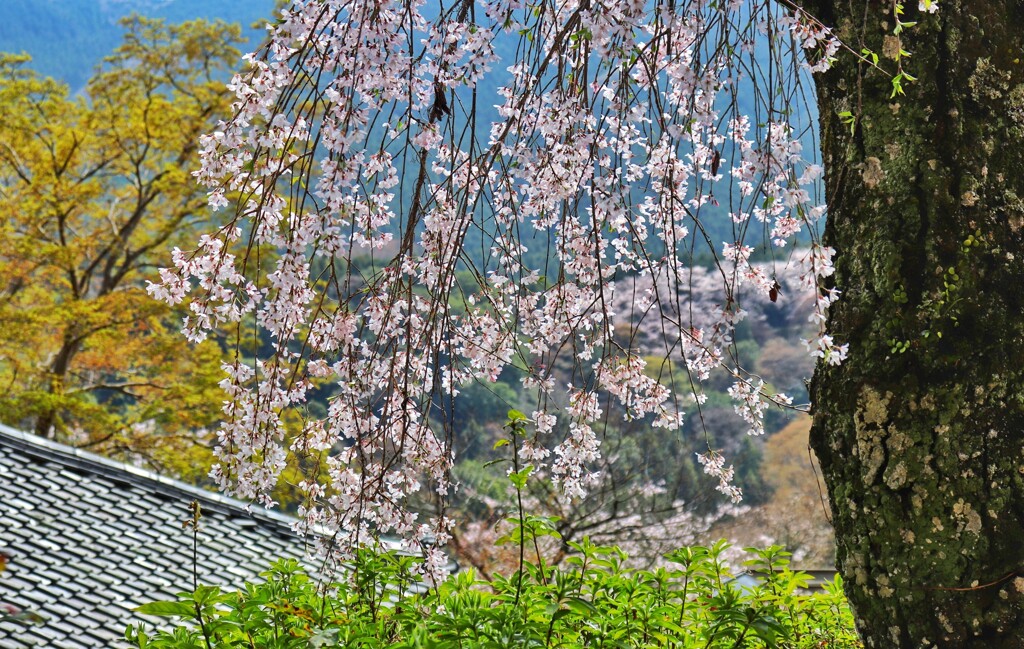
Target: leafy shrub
x,y
594,601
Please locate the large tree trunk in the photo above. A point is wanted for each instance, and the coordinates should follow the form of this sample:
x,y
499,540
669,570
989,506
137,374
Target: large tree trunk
x,y
920,432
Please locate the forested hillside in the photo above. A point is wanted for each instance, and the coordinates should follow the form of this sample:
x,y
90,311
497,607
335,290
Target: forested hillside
x,y
68,38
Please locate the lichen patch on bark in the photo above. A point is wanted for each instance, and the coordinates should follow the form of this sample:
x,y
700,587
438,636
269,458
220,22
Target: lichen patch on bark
x,y
870,422
872,172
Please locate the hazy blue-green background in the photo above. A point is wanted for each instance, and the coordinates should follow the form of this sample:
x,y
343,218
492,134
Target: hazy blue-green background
x,y
67,38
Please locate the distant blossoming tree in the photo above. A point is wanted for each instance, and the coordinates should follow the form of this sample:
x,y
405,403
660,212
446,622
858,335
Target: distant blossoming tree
x,y
423,197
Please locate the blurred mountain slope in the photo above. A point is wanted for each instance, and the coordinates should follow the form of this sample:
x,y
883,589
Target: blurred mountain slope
x,y
68,38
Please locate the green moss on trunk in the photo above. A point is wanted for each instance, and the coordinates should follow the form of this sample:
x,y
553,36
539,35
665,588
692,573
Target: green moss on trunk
x,y
921,432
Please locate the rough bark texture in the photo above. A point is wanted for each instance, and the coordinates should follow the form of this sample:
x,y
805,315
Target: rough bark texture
x,y
921,432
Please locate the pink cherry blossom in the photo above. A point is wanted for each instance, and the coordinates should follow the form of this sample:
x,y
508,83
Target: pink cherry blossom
x,y
387,246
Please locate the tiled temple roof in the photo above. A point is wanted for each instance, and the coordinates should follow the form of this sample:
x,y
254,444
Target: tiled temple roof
x,y
90,539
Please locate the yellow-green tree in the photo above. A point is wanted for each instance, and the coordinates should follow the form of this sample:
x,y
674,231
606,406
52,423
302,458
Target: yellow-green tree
x,y
94,189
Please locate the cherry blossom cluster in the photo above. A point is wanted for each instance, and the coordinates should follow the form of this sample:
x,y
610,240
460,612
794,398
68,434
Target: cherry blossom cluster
x,y
714,465
816,39
389,247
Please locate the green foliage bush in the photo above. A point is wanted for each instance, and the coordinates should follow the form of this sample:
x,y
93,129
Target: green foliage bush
x,y
595,600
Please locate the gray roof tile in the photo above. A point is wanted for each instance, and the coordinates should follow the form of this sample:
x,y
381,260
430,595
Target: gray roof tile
x,y
93,539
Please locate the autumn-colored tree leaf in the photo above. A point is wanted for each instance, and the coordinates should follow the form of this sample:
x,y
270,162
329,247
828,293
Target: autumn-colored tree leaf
x,y
94,189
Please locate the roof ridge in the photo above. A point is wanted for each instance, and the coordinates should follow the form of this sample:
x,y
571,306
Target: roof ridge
x,y
126,472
